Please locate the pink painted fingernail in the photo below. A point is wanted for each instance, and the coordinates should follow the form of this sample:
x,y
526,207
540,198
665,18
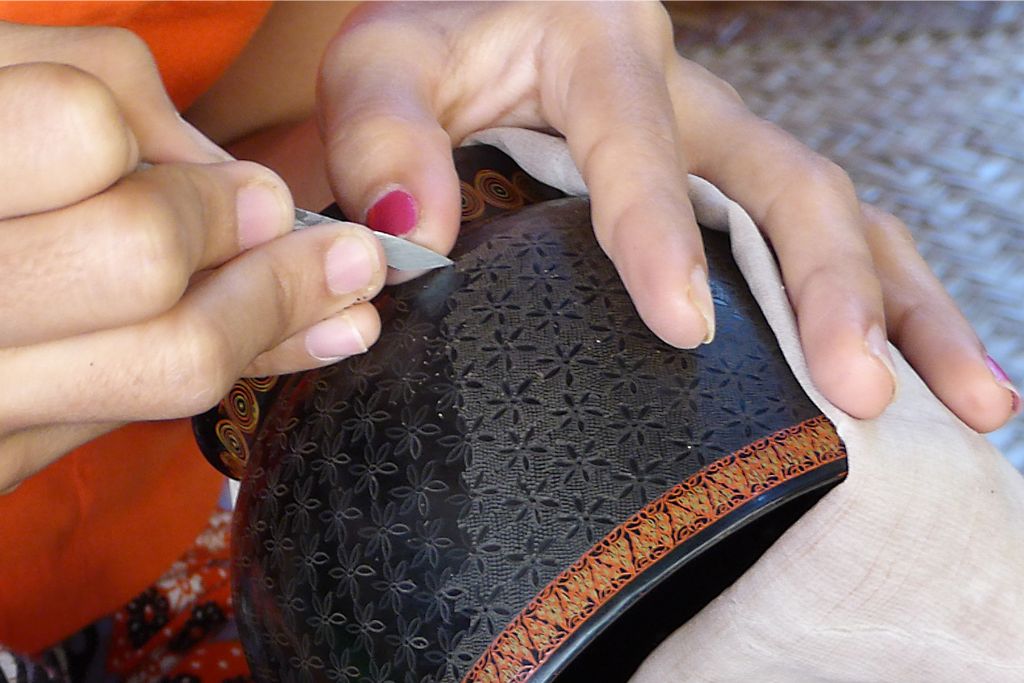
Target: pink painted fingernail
x,y
395,213
351,264
259,213
1003,380
334,339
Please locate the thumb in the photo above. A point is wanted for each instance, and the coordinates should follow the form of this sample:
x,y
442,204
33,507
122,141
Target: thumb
x,y
389,159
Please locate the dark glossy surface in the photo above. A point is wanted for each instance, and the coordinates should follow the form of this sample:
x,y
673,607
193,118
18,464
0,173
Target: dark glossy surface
x,y
402,508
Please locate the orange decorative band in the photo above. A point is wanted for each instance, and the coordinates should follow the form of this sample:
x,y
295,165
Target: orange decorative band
x,y
497,190
657,529
472,203
240,411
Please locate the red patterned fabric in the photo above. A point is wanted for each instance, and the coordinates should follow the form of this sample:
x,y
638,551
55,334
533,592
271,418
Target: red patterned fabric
x,y
179,630
171,630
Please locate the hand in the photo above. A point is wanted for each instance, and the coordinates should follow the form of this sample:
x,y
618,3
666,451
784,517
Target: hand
x,y
143,294
400,84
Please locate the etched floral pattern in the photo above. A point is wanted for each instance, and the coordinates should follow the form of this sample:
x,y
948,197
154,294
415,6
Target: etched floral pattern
x,y
402,509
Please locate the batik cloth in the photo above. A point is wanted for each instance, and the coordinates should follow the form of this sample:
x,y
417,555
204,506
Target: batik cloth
x,y
179,630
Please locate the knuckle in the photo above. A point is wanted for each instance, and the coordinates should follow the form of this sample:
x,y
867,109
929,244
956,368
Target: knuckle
x,y
823,175
150,232
647,146
649,18
122,42
281,303
884,223
204,367
653,19
851,275
372,130
699,82
821,277
129,66
640,35
86,108
72,85
726,91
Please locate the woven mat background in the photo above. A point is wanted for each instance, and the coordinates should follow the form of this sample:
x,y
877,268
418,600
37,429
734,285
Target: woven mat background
x,y
923,105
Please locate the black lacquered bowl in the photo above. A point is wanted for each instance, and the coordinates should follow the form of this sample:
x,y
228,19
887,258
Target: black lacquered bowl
x,y
519,481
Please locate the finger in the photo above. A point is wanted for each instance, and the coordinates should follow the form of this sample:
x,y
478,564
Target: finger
x,y
128,254
62,135
932,334
27,452
123,63
182,362
808,209
618,120
328,341
389,160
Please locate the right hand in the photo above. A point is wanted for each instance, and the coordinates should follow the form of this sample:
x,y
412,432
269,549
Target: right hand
x,y
133,294
401,82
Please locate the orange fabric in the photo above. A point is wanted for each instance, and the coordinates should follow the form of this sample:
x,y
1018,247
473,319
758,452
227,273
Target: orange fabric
x,y
193,42
94,529
88,533
183,624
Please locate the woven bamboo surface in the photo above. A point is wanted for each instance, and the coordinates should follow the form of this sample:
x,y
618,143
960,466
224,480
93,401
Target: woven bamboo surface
x,y
923,105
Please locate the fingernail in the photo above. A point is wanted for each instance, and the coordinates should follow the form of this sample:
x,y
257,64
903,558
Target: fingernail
x,y
395,213
1003,380
700,296
209,146
259,211
334,339
878,346
351,265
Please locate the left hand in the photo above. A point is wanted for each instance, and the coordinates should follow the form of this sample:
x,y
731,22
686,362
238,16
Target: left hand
x,y
402,83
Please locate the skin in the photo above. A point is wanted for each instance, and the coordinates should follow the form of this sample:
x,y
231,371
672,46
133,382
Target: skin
x,y
135,294
874,575
398,111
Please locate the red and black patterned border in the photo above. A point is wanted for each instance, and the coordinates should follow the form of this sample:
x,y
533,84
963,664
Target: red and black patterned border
x,y
685,510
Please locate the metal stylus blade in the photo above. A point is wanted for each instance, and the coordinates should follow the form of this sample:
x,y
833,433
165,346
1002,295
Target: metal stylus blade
x,y
401,254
